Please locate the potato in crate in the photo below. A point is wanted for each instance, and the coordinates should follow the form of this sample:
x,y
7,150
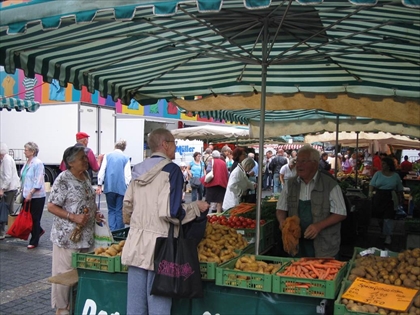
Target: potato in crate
x,y
220,244
253,272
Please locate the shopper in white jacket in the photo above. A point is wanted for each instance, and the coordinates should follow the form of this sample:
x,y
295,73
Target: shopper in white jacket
x,y
9,181
238,184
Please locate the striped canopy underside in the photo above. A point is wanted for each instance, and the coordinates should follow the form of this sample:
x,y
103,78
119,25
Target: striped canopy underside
x,y
329,48
303,122
11,103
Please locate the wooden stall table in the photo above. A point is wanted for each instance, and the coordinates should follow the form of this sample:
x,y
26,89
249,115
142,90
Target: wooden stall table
x,y
411,181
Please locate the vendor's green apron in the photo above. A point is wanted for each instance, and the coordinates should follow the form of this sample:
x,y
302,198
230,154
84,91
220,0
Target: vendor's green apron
x,y
306,246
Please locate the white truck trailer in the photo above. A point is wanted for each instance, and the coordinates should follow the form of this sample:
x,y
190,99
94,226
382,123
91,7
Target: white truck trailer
x,y
135,129
53,128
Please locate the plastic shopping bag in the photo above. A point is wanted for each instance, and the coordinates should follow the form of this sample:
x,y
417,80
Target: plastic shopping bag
x,y
102,235
22,226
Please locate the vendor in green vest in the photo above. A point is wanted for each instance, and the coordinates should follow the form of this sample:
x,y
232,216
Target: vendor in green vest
x,y
317,199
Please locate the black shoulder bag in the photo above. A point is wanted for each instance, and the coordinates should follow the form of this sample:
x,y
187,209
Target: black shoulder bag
x,y
177,270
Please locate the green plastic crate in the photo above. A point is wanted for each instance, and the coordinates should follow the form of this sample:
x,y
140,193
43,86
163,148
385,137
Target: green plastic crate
x,y
93,262
208,270
121,234
266,229
250,249
339,308
228,277
316,288
412,226
374,251
119,267
266,242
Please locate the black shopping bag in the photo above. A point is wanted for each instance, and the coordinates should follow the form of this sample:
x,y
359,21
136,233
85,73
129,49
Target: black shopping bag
x,y
4,211
177,270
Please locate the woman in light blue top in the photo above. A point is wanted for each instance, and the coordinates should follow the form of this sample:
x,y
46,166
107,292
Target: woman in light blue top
x,y
33,184
196,169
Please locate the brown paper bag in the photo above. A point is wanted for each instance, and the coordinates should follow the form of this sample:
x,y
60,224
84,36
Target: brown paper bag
x,y
10,219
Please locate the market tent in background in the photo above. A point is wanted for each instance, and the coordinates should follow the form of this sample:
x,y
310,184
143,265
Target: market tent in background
x,y
297,146
301,122
11,103
376,141
211,133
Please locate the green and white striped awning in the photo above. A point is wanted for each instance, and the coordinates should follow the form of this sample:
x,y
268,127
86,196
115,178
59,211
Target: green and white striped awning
x,y
150,50
10,103
302,122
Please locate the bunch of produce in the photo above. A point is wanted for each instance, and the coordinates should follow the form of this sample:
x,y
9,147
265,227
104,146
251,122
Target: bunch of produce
x,y
268,210
242,208
111,251
290,234
313,268
250,264
234,221
219,244
373,309
403,270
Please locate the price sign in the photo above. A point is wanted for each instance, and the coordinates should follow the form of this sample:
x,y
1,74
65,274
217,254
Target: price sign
x,y
382,295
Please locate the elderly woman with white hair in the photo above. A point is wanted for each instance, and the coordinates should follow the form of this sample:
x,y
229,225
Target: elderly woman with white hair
x,y
33,184
9,181
238,183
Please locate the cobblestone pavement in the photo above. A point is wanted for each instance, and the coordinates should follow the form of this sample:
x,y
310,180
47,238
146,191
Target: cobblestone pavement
x,y
24,289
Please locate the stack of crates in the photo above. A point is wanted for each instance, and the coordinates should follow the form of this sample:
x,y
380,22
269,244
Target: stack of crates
x,y
412,232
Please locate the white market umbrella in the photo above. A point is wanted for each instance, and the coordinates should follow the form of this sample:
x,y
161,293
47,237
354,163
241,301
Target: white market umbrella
x,y
210,132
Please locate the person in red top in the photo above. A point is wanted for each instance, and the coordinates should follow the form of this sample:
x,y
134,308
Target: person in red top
x,y
216,188
82,139
406,166
376,163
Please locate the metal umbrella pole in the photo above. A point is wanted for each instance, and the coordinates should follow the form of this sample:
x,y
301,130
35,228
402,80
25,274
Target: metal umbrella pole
x,y
261,140
357,155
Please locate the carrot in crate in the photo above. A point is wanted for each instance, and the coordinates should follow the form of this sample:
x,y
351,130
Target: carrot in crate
x,y
322,269
242,208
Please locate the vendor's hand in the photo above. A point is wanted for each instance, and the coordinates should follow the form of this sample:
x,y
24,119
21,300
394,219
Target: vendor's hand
x,y
311,232
202,205
281,225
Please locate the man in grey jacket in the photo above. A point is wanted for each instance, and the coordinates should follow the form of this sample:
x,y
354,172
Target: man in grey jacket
x,y
153,200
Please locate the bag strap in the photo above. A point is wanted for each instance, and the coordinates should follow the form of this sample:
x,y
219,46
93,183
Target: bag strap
x,y
26,206
181,230
171,231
